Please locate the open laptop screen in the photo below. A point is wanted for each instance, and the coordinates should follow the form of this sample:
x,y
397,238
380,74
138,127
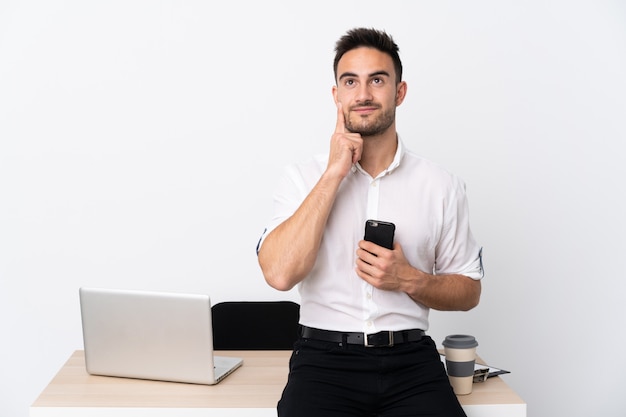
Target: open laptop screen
x,y
150,335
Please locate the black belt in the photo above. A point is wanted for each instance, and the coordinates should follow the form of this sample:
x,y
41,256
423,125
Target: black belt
x,y
380,339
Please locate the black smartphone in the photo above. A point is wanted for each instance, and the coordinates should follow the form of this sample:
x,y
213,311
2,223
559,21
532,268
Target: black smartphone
x,y
380,232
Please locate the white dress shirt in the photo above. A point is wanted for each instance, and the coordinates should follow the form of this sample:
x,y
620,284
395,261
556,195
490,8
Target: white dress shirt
x,y
427,204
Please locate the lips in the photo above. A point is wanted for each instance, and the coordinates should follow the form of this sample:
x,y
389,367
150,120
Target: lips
x,y
364,109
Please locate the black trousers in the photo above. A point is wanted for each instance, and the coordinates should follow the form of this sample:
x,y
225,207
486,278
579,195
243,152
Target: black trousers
x,y
331,380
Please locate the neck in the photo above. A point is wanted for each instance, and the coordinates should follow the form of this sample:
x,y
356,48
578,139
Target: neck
x,y
378,152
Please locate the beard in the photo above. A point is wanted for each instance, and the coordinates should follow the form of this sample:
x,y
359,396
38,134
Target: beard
x,y
368,126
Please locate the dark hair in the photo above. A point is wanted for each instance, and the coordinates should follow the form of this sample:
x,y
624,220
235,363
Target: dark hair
x,y
371,38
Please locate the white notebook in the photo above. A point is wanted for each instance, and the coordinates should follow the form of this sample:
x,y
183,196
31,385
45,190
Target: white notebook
x,y
151,335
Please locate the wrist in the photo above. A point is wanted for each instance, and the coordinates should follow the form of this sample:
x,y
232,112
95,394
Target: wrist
x,y
332,177
415,284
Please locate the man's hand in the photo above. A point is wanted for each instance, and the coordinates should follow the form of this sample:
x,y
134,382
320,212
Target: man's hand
x,y
345,147
383,268
389,270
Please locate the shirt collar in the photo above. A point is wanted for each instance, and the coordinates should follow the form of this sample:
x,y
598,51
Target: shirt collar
x,y
400,151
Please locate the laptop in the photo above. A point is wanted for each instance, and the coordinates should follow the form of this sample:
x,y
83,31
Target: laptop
x,y
151,335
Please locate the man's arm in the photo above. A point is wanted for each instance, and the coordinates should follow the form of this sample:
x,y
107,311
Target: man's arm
x,y
389,270
289,251
445,292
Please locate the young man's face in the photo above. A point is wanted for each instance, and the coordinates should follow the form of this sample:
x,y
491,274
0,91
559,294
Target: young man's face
x,y
366,86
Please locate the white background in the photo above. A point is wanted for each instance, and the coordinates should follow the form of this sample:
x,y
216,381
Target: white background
x,y
140,142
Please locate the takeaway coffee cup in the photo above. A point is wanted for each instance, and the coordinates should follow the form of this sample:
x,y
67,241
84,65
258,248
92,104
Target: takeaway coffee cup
x,y
460,351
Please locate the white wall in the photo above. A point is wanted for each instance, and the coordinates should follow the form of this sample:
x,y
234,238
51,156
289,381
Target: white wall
x,y
140,142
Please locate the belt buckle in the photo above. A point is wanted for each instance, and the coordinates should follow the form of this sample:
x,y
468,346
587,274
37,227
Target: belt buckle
x,y
388,343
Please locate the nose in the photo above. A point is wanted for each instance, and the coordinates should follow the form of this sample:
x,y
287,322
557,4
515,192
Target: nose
x,y
364,94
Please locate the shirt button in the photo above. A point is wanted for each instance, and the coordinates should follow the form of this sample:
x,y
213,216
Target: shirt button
x,y
369,296
370,324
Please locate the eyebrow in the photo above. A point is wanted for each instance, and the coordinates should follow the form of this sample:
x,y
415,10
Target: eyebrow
x,y
373,74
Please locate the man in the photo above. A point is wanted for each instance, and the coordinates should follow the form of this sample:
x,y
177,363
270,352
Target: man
x,y
364,308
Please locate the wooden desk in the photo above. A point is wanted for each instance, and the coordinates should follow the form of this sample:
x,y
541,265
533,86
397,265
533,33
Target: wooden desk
x,y
253,390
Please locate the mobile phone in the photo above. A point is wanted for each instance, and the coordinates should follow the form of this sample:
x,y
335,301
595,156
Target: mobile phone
x,y
380,232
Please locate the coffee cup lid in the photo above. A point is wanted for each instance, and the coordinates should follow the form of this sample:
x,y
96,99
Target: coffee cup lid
x,y
460,341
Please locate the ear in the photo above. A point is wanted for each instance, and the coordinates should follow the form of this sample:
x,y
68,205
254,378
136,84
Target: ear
x,y
400,92
334,91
